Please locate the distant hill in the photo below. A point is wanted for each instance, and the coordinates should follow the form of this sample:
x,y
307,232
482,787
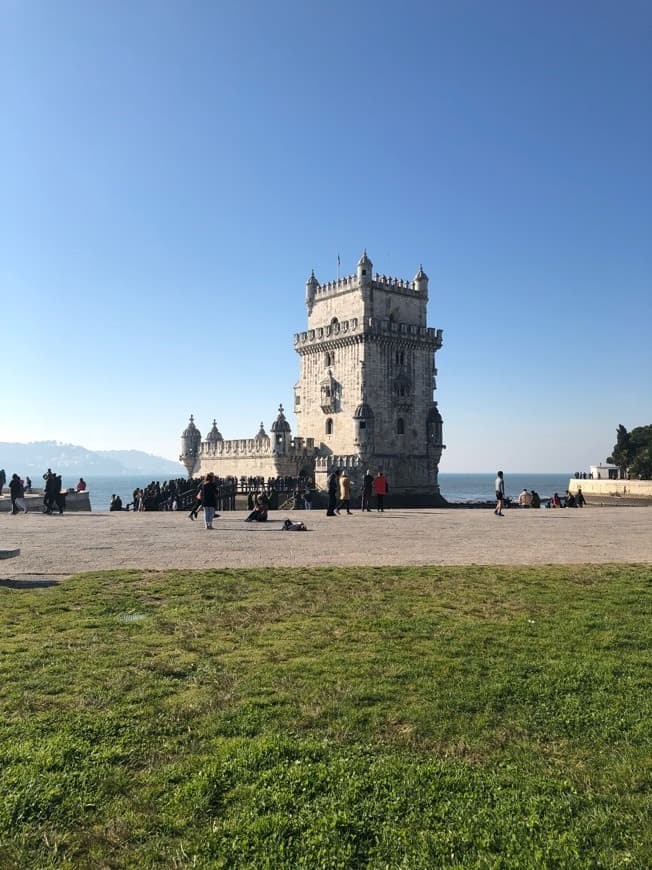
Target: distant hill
x,y
37,456
135,461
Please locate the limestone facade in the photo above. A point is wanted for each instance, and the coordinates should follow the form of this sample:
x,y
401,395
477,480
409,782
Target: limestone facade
x,y
364,398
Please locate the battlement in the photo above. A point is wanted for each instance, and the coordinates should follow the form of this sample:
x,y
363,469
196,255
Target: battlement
x,y
370,326
380,282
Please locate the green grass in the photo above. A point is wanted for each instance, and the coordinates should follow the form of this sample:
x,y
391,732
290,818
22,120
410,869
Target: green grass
x,y
337,718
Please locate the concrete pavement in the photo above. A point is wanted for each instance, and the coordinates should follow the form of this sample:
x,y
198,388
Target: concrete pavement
x,y
59,546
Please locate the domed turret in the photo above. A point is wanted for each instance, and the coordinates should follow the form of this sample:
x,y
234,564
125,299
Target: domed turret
x,y
261,436
214,435
363,421
281,431
435,426
190,446
312,285
280,424
365,267
421,281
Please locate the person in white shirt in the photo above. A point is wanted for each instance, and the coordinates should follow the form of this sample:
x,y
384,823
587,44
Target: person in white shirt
x,y
500,494
525,499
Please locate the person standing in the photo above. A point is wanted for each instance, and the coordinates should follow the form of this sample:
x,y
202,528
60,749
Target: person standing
x,y
381,489
333,491
3,479
59,494
17,492
209,499
48,491
580,501
500,494
367,489
345,493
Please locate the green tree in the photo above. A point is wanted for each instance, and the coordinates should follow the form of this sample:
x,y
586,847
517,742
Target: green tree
x,y
621,454
633,451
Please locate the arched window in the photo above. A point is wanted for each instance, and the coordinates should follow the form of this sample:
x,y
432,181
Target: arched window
x,y
400,426
329,426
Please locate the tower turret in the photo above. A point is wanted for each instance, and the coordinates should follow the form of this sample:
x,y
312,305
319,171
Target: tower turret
x,y
214,435
190,446
421,281
281,432
363,418
365,267
312,284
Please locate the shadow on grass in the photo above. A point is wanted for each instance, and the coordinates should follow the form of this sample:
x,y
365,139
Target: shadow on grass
x,y
8,583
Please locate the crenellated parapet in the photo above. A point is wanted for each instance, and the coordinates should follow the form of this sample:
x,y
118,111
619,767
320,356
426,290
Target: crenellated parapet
x,y
372,326
351,282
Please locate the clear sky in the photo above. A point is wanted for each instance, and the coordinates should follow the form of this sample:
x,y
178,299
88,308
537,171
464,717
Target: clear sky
x,y
170,172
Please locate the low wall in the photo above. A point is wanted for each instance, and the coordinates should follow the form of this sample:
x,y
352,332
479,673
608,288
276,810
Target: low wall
x,y
613,491
75,501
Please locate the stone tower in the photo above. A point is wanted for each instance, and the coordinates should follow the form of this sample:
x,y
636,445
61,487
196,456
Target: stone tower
x,y
365,392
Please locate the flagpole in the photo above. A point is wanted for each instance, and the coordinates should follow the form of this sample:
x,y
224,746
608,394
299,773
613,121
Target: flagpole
x,y
338,267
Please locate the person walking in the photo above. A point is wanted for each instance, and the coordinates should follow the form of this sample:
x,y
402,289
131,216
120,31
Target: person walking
x,y
345,493
500,494
209,499
197,503
17,493
367,489
381,489
333,491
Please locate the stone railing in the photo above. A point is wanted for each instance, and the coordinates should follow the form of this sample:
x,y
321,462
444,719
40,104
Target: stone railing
x,y
256,447
332,462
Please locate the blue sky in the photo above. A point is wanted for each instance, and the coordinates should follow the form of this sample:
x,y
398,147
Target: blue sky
x,y
172,171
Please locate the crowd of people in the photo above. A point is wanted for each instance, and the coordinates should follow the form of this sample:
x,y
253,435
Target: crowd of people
x,y
569,500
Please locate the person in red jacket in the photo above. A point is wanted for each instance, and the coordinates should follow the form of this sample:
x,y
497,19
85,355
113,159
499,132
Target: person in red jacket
x,y
380,489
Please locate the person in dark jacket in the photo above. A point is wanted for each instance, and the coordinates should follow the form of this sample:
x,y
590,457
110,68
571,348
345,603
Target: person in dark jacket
x,y
333,492
367,489
17,491
3,479
209,499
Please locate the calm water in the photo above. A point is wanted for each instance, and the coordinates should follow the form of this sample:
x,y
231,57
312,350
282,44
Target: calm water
x,y
102,488
454,487
480,487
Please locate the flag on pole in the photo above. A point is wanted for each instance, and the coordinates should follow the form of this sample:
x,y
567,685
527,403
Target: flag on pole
x,y
338,267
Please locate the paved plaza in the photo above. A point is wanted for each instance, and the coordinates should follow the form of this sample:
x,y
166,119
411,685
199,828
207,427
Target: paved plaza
x,y
59,546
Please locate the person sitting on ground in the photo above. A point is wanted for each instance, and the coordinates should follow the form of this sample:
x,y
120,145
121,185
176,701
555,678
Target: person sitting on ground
x,y
536,499
81,486
259,513
524,499
569,501
116,503
580,501
555,501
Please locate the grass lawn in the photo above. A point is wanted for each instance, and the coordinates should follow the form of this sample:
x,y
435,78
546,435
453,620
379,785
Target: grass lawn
x,y
337,718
